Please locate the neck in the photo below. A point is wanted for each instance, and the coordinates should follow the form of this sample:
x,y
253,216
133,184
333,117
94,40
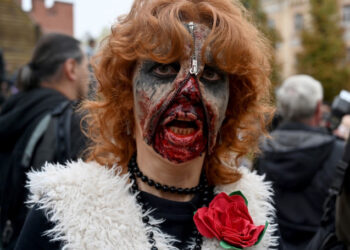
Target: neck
x,y
63,87
155,167
312,122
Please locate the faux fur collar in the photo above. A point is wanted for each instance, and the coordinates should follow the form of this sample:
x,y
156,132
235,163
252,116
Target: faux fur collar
x,y
92,208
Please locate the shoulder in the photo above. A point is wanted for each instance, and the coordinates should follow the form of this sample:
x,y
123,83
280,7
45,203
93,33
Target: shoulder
x,y
87,203
335,149
60,182
260,202
335,155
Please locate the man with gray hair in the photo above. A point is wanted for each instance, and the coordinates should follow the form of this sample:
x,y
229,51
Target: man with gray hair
x,y
299,99
300,159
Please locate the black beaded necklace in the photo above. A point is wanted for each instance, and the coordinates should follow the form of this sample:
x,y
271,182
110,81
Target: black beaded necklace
x,y
203,189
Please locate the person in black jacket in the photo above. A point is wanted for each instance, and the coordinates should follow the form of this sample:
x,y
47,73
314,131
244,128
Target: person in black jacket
x,y
300,160
55,78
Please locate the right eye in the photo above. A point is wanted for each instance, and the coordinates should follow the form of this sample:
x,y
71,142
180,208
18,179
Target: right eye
x,y
165,70
210,75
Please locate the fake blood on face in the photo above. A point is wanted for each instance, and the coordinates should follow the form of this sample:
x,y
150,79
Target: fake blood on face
x,y
181,133
180,110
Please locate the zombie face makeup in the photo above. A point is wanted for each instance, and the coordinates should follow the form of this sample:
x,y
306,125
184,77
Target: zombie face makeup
x,y
180,106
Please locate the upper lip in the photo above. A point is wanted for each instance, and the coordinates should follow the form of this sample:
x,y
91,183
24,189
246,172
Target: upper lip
x,y
181,116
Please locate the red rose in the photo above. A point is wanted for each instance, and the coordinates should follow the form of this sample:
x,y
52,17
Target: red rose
x,y
227,219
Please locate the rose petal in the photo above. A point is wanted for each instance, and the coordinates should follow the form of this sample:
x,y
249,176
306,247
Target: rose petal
x,y
204,223
238,210
220,202
243,240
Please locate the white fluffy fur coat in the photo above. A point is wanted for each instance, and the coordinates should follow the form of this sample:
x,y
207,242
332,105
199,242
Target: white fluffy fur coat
x,y
92,208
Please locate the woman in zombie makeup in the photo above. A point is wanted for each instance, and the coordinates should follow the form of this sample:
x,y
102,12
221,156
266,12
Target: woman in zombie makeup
x,y
183,94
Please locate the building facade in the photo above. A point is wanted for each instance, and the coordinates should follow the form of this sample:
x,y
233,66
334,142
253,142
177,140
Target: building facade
x,y
20,30
18,35
58,18
289,17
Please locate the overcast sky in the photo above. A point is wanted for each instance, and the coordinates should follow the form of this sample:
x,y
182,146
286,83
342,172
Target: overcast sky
x,y
91,16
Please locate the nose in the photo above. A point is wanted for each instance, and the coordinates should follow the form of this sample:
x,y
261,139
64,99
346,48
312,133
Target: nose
x,y
191,90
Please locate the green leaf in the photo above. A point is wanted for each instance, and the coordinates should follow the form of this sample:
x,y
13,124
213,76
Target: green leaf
x,y
240,194
226,245
262,233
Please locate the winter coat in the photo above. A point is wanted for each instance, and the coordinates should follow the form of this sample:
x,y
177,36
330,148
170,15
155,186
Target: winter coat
x,y
19,118
91,207
300,161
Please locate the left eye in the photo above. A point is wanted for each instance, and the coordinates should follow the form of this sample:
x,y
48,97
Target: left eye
x,y
210,74
165,70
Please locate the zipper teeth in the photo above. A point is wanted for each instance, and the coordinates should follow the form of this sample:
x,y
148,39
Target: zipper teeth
x,y
194,66
206,114
195,72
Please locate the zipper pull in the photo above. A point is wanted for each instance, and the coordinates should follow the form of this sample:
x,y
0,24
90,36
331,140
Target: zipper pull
x,y
194,68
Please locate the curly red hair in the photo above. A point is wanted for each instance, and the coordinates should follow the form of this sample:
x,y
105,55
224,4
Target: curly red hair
x,y
154,30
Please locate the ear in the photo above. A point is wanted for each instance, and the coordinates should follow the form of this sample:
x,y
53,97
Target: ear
x,y
70,69
318,113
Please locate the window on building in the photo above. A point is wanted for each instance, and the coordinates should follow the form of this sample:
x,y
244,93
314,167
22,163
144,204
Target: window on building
x,y
298,22
346,14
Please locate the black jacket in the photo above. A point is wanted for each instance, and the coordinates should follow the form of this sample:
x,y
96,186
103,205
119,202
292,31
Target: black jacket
x,y
300,161
18,119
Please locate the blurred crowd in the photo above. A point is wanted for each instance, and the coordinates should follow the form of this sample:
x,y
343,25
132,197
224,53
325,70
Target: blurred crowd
x,y
40,121
302,159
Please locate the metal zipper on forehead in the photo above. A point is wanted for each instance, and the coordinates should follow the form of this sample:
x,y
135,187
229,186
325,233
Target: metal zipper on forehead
x,y
194,62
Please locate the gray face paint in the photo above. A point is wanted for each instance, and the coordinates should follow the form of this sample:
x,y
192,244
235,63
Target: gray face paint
x,y
181,106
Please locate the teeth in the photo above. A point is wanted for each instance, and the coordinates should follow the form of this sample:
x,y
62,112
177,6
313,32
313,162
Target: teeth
x,y
182,131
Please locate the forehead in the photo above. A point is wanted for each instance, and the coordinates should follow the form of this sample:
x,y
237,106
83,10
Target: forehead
x,y
193,46
199,33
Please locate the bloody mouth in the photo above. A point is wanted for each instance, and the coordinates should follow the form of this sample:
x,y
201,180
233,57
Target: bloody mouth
x,y
181,127
181,133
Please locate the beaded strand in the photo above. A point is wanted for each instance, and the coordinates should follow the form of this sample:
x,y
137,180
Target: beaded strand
x,y
202,188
